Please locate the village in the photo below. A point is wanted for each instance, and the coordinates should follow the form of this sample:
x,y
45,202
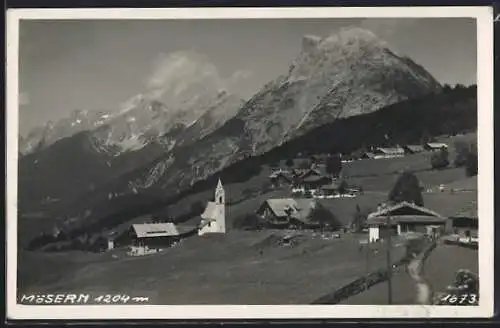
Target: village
x,y
304,210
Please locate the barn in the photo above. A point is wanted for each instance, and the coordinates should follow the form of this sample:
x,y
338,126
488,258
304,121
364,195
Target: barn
x,y
413,149
382,152
154,234
404,218
435,146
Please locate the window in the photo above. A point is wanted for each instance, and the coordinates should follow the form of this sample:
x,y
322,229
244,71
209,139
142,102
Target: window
x,y
220,199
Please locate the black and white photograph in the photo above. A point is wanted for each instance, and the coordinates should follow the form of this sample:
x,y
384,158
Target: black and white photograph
x,y
250,163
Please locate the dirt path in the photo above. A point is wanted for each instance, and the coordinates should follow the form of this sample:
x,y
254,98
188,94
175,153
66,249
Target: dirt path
x,y
415,271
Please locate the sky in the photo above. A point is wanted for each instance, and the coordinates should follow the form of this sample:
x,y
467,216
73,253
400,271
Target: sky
x,y
99,65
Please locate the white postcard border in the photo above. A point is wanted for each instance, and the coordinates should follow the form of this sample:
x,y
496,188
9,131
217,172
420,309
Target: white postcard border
x,y
484,17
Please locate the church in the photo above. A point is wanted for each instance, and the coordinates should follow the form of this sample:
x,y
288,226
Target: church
x,y
213,218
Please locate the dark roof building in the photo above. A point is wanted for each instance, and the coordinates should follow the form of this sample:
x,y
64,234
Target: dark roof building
x,y
286,212
413,149
435,146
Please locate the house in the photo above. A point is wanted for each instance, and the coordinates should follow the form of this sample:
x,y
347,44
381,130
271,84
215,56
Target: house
x,y
312,178
213,218
153,235
383,152
294,213
313,182
464,223
281,178
403,218
435,146
413,149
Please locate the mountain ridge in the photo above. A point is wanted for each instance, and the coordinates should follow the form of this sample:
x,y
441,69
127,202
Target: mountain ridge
x,y
347,74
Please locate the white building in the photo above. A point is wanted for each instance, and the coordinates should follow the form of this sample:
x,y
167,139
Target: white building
x,y
214,216
403,218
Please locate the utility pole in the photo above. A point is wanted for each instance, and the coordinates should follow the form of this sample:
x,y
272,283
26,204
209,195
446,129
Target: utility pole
x,y
367,259
389,264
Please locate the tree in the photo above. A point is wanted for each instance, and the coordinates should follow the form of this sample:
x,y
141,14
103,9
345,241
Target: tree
x,y
447,88
358,220
439,160
471,165
343,187
324,217
334,165
462,150
289,163
407,188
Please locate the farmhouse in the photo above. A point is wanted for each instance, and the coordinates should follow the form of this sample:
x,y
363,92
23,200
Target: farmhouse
x,y
465,222
300,213
213,218
280,178
413,149
460,207
434,146
153,235
403,218
382,152
312,178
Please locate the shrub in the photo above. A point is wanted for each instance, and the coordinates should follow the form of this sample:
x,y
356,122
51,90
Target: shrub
x,y
439,160
471,165
462,150
343,187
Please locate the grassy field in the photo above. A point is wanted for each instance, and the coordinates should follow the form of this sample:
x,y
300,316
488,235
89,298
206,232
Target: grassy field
x,y
230,270
439,268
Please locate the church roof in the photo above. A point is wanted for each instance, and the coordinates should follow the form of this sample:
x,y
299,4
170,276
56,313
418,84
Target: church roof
x,y
219,184
209,212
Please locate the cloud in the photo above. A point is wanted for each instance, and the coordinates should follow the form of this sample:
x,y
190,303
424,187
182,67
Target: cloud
x,y
387,27
179,76
23,99
239,76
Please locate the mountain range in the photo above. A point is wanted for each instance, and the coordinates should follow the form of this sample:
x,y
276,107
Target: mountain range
x,y
153,147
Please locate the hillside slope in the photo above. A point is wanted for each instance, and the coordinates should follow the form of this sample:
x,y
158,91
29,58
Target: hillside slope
x,y
446,113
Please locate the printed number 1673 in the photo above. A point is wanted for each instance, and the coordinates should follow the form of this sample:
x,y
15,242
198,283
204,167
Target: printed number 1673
x,y
452,299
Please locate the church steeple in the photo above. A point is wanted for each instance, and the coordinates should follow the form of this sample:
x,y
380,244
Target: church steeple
x,y
220,197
